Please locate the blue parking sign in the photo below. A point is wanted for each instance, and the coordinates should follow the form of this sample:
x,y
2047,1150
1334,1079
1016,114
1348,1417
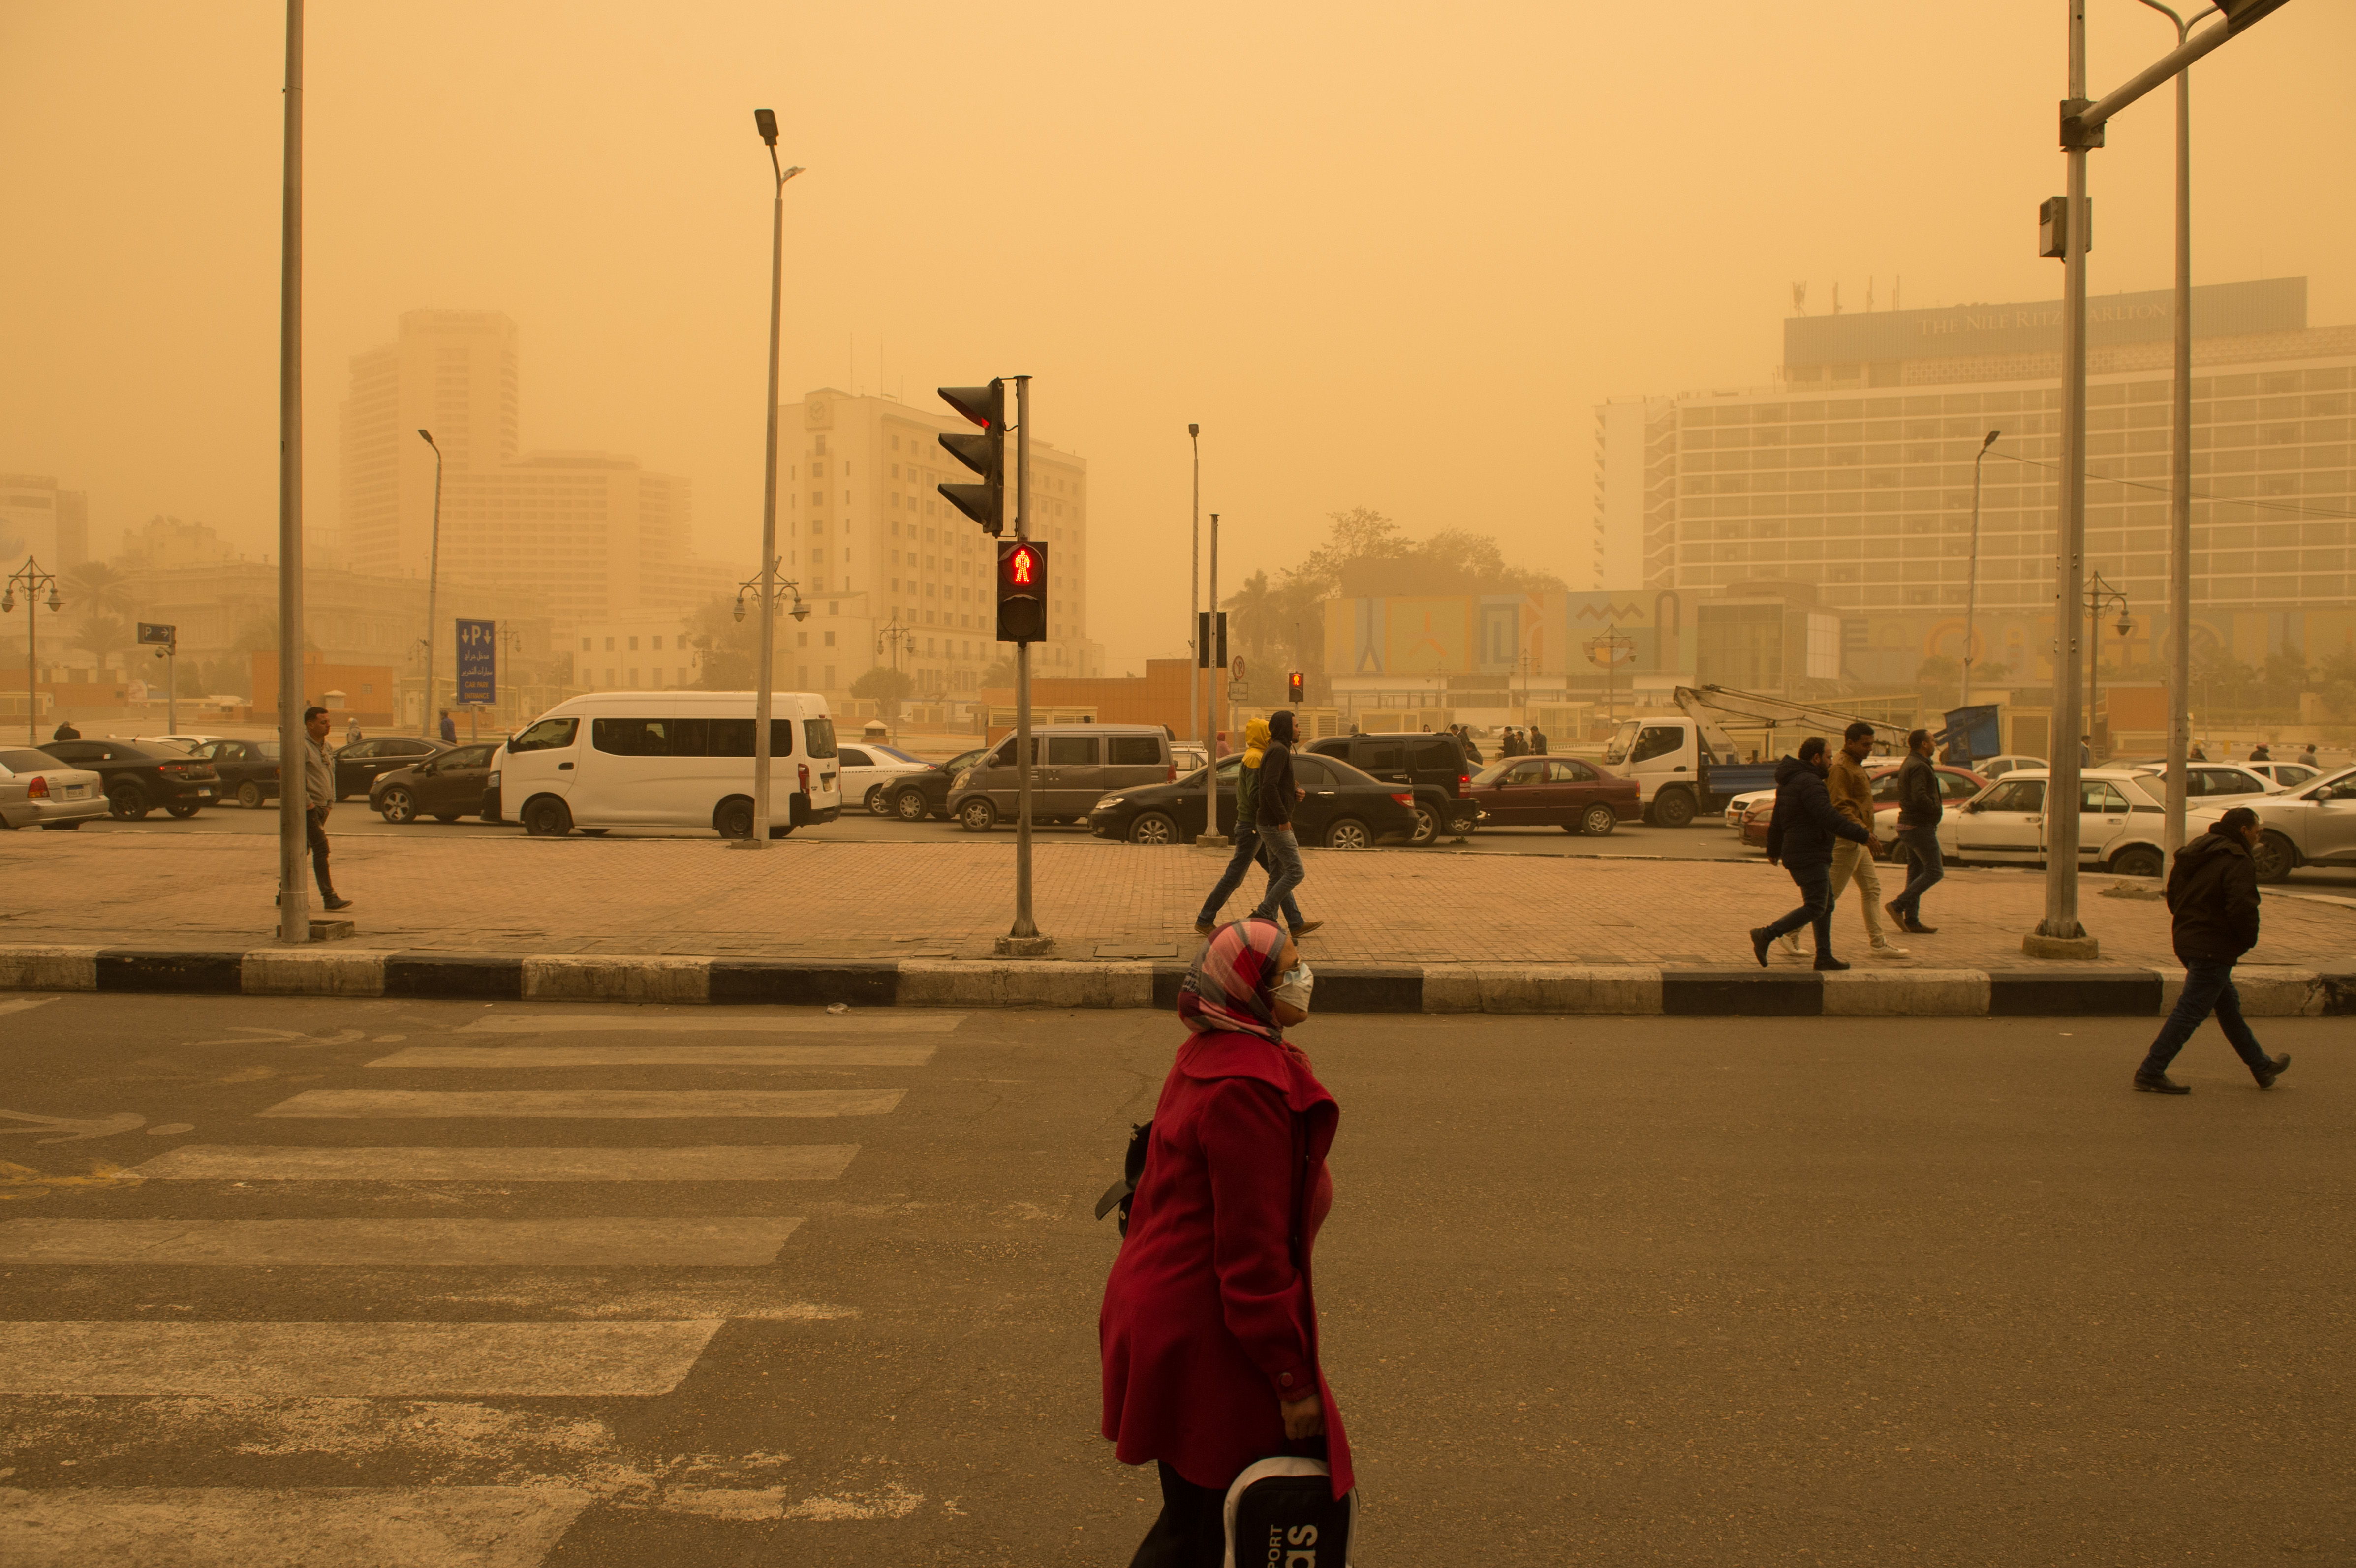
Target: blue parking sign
x,y
478,681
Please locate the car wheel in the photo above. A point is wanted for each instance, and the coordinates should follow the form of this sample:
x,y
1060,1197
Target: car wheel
x,y
1461,823
547,817
128,802
978,815
877,804
1153,827
397,805
249,795
182,811
1348,834
1426,825
2140,861
1673,809
909,805
1597,821
733,818
2275,856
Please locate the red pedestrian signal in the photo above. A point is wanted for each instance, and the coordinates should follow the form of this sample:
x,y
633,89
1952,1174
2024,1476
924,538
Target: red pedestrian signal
x,y
1294,684
1022,591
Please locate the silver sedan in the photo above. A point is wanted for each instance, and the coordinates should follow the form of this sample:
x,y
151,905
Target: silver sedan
x,y
37,790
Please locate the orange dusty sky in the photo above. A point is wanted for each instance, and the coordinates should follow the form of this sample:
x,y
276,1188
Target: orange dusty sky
x,y
1388,255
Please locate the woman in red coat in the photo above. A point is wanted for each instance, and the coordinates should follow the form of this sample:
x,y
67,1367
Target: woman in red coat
x,y
1209,1326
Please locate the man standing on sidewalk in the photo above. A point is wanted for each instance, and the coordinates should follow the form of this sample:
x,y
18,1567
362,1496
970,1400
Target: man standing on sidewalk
x,y
2213,893
1537,741
1852,794
319,798
1273,813
1919,810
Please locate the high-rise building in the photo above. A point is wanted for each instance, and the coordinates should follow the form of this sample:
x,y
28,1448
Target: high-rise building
x,y
38,519
600,535
1853,473
1627,470
868,537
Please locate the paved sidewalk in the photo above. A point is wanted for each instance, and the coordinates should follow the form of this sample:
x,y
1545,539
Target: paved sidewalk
x,y
952,897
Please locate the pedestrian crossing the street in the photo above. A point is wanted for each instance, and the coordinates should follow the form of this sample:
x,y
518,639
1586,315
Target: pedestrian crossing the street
x,y
456,1117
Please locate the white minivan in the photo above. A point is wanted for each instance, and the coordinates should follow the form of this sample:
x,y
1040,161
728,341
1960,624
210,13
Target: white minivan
x,y
666,759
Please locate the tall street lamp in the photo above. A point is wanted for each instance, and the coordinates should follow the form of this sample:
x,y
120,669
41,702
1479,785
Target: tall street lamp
x,y
32,580
2179,497
766,121
293,799
2100,592
1972,592
433,580
1194,588
894,634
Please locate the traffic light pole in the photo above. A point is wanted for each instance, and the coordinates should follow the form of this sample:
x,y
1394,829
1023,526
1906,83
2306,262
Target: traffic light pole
x,y
294,794
1025,940
1211,837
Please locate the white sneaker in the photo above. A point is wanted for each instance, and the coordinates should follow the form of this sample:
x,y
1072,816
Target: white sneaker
x,y
1887,950
1791,941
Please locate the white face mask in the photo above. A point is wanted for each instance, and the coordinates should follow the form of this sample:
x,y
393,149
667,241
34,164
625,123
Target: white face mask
x,y
1292,989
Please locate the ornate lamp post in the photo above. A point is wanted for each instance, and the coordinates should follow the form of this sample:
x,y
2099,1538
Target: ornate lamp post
x,y
32,580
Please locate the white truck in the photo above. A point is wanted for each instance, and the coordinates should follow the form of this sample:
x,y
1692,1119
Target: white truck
x,y
1686,765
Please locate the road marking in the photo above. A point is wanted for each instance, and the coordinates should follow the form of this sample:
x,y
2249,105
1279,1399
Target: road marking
x,y
711,1162
636,1104
352,1361
20,1004
713,1019
658,1055
402,1244
226,1526
73,1130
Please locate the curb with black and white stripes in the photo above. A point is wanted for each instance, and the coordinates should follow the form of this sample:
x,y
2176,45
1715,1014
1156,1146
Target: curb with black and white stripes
x,y
1626,990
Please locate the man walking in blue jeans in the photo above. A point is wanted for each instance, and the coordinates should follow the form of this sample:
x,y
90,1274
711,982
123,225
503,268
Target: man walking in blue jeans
x,y
1799,834
2212,894
1919,810
1273,812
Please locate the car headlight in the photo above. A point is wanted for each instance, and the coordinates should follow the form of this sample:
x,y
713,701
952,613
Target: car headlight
x,y
1109,802
494,780
963,779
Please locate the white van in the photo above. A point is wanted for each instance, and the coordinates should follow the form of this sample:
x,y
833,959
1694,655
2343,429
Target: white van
x,y
666,759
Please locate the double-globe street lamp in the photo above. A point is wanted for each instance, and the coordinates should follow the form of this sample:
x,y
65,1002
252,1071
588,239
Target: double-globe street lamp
x,y
32,580
2101,592
433,578
1972,590
895,634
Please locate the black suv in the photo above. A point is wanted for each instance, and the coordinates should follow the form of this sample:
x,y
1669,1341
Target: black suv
x,y
141,775
1433,766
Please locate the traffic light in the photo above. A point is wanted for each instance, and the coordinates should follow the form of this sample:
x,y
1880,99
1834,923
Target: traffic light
x,y
1294,685
1022,591
985,454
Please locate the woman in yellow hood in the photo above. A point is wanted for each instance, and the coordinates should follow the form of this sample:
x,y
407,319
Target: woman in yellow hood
x,y
1255,740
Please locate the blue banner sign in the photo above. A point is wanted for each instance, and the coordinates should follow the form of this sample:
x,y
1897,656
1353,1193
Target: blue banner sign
x,y
478,643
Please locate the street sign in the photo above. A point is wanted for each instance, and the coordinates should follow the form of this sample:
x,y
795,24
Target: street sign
x,y
1237,691
150,632
479,644
1236,667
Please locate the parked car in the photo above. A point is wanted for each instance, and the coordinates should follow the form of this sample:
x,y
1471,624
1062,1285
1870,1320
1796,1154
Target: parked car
x,y
36,789
2288,774
1188,755
1433,768
137,778
445,786
2120,822
2209,783
185,742
2009,763
248,769
1553,792
1956,785
1341,807
2314,824
1074,766
361,763
916,796
869,771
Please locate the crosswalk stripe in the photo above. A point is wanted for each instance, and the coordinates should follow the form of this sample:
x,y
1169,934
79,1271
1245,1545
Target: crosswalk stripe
x,y
715,1020
353,1360
411,1244
658,1055
619,1104
231,1527
709,1162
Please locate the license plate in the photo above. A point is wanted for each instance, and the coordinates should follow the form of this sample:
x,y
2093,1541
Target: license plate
x,y
76,792
204,795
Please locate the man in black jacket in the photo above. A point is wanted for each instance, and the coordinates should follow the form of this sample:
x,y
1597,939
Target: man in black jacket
x,y
2213,893
1919,810
1799,834
1272,813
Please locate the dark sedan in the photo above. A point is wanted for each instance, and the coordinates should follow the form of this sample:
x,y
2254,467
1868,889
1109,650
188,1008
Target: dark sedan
x,y
361,763
141,775
916,796
248,769
1554,791
447,786
1340,807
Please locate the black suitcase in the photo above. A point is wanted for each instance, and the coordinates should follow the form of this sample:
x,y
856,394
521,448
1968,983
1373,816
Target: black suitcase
x,y
1281,1513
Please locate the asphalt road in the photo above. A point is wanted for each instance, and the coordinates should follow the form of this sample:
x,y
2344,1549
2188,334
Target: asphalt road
x,y
1607,1291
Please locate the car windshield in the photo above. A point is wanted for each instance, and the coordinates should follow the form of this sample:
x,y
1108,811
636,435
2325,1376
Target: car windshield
x,y
1616,750
21,761
1493,772
894,752
267,748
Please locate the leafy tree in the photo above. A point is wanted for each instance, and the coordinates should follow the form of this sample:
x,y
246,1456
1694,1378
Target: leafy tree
x,y
1939,680
1000,672
885,686
101,636
730,648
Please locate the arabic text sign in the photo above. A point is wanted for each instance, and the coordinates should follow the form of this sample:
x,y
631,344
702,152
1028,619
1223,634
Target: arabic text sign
x,y
478,662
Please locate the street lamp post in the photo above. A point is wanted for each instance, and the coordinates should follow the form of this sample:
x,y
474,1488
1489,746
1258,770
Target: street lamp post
x,y
32,580
764,675
1972,592
2179,498
1210,633
2100,591
1195,585
432,582
892,634
293,799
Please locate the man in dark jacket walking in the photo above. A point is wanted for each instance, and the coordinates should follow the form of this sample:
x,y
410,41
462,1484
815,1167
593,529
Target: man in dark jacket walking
x,y
1919,810
1799,834
2213,893
1273,806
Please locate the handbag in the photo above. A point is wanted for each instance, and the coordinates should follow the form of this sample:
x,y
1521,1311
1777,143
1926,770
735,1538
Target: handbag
x,y
1122,1194
1281,1513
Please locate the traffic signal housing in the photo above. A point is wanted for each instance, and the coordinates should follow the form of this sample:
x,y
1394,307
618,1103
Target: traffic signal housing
x,y
1294,685
1022,591
985,454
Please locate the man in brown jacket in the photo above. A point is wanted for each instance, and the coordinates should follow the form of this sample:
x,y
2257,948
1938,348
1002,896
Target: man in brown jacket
x,y
1852,794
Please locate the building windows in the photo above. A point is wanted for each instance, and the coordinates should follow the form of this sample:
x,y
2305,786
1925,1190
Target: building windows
x,y
609,648
585,643
634,648
829,639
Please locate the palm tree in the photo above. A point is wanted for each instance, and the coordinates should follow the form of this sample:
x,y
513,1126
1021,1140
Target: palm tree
x,y
1260,624
100,635
97,589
